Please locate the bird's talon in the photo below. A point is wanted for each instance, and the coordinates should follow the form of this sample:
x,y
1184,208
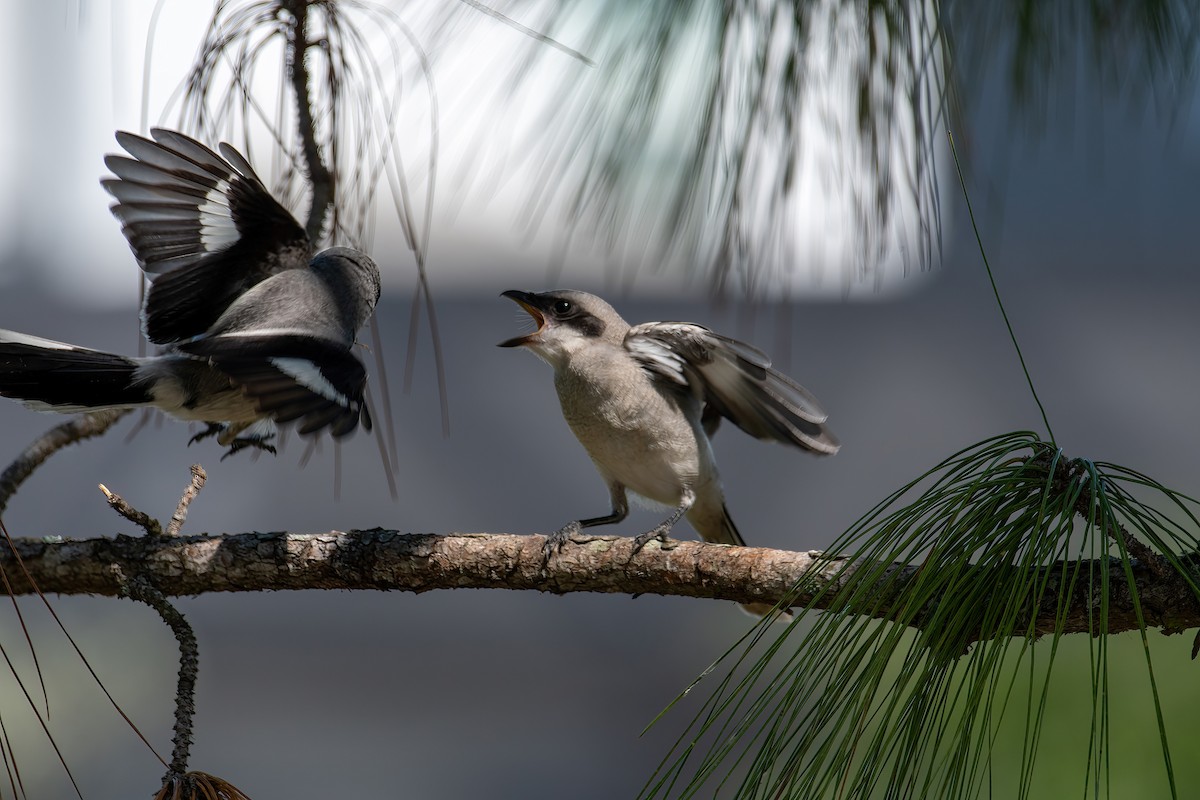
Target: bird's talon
x,y
641,540
210,429
237,445
556,541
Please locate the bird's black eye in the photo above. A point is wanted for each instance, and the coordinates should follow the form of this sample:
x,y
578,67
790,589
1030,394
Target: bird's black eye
x,y
563,307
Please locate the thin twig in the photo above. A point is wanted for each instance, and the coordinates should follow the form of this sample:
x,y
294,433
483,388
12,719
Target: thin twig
x,y
319,176
199,476
140,589
74,430
140,518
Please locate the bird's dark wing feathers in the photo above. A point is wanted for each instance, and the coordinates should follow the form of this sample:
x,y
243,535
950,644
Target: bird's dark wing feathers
x,y
293,378
203,227
735,380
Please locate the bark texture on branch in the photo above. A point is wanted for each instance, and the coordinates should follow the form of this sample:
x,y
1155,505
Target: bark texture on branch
x,y
389,560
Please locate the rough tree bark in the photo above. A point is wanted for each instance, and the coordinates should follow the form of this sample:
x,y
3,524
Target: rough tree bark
x,y
390,560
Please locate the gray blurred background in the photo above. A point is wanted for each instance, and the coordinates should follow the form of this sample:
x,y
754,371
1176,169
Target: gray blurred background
x,y
1089,218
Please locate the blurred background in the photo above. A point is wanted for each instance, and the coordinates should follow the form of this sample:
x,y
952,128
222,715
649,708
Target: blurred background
x,y
1081,152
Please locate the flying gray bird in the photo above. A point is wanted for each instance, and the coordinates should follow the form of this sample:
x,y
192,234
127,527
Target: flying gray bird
x,y
256,329
644,400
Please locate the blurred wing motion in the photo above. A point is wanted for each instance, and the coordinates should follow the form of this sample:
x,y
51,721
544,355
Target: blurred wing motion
x,y
735,380
202,226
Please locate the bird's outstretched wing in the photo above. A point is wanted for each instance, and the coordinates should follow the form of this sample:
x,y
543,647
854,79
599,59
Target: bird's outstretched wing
x,y
202,226
735,380
292,378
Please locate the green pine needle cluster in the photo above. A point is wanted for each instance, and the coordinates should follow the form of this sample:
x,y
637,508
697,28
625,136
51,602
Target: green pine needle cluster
x,y
942,632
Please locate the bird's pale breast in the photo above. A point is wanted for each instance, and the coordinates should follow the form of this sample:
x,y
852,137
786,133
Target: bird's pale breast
x,y
635,433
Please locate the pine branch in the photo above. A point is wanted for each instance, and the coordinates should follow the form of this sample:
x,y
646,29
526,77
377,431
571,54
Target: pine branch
x,y
386,559
76,429
319,176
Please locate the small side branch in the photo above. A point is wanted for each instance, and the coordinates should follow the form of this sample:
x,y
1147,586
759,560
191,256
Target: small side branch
x,y
199,476
140,518
389,560
319,175
1073,470
149,524
74,430
138,588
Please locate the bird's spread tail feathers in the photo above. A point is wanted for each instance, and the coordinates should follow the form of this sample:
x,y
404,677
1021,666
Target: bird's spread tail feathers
x,y
53,376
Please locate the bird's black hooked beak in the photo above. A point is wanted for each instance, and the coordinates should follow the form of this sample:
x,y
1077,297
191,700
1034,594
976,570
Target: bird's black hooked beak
x,y
527,301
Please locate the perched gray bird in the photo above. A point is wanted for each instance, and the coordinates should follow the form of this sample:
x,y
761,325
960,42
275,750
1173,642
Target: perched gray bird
x,y
255,328
644,400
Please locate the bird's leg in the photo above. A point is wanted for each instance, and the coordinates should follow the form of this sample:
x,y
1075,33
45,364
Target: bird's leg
x,y
210,429
661,530
237,436
557,540
237,445
223,431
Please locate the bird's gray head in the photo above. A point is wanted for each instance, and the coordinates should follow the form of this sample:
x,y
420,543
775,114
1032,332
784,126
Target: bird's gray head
x,y
566,321
353,275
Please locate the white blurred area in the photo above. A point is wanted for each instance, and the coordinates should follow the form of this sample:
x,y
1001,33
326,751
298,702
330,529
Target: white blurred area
x,y
82,68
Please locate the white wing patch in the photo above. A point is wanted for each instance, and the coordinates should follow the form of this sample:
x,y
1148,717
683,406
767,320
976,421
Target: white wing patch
x,y
261,430
656,355
36,341
309,376
217,228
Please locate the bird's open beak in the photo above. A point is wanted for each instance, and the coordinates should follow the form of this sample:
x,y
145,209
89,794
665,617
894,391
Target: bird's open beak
x,y
526,301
